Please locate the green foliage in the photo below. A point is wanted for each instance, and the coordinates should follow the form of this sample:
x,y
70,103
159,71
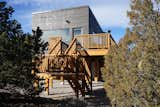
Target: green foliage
x,y
132,71
39,46
17,50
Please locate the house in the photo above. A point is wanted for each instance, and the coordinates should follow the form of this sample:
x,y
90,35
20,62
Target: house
x,y
77,46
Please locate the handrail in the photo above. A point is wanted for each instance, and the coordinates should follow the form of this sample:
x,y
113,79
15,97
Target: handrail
x,y
93,41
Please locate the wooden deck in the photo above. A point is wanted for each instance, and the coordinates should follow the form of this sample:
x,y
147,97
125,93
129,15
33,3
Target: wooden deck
x,y
89,44
74,62
95,44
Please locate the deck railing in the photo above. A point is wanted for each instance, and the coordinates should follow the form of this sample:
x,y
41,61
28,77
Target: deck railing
x,y
93,41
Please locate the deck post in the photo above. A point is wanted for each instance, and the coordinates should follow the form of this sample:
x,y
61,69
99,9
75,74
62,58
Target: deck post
x,y
83,86
96,78
62,80
91,81
47,86
36,85
108,41
77,71
51,82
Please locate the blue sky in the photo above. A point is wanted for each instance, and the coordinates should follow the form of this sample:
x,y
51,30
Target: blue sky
x,y
111,14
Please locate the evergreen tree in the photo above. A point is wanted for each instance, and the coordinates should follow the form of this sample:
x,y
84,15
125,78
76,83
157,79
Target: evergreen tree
x,y
132,71
117,71
17,50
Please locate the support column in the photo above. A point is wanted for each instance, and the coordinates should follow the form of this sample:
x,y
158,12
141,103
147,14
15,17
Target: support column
x,y
96,76
77,79
51,82
91,82
62,80
47,86
83,87
36,85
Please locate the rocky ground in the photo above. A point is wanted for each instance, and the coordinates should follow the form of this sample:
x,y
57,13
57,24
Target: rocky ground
x,y
61,95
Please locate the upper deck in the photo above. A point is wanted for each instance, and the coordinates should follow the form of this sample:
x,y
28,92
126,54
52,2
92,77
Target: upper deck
x,y
86,44
95,44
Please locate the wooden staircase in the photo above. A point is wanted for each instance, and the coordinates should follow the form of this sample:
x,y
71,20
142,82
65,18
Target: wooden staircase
x,y
70,66
72,70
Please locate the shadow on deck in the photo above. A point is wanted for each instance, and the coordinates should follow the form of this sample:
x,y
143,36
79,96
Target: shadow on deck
x,y
97,99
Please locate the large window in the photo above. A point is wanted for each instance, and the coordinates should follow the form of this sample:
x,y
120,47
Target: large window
x,y
77,31
64,33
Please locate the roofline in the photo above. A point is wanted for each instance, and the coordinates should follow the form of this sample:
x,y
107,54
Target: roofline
x,y
41,12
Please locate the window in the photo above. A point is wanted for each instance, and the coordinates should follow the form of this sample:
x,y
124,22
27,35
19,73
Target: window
x,y
64,33
77,31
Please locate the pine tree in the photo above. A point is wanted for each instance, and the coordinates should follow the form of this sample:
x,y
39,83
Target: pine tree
x,y
117,75
132,70
17,51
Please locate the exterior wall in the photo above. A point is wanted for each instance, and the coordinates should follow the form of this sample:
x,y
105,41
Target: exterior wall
x,y
94,26
62,19
62,22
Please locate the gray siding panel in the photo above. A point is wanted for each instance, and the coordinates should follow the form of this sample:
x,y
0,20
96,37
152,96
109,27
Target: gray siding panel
x,y
94,26
57,19
77,17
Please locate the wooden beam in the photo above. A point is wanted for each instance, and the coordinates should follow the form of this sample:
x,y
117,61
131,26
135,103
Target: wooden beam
x,y
70,46
97,52
87,67
53,43
109,41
